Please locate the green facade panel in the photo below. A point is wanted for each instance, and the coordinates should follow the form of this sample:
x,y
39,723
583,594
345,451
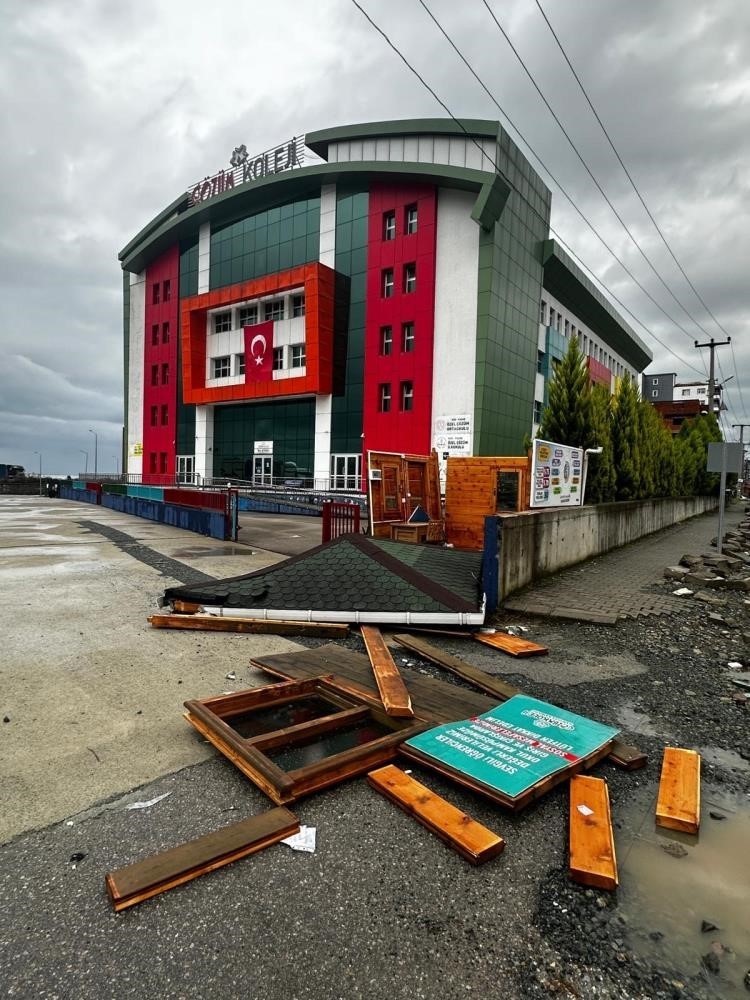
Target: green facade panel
x,y
290,424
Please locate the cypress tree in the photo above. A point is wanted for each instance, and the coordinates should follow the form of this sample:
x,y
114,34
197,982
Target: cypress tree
x,y
600,484
626,440
567,418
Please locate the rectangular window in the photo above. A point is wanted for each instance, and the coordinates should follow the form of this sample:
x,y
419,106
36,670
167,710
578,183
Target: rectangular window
x,y
407,337
386,340
155,293
154,416
298,356
384,397
239,360
164,414
655,381
389,226
552,319
222,367
410,277
154,374
165,374
165,333
537,411
163,463
273,310
167,290
655,393
298,305
410,219
152,460
222,322
685,392
247,316
543,312
155,335
407,396
539,361
278,358
567,328
386,283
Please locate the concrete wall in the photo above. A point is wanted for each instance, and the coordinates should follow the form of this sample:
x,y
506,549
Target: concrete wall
x,y
534,544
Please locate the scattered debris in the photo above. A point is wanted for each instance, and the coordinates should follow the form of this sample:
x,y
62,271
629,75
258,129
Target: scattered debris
x,y
678,805
674,850
227,623
302,841
393,692
716,815
711,963
511,644
707,926
735,665
231,676
683,592
77,857
147,805
6,718
592,845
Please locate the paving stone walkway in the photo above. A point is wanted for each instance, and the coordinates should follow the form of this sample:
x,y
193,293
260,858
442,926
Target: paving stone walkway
x,y
620,584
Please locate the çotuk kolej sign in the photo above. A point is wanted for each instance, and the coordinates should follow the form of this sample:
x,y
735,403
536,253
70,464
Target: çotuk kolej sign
x,y
515,745
246,168
556,475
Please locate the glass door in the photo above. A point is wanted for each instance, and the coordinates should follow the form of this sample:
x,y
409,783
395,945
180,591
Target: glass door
x,y
262,470
186,468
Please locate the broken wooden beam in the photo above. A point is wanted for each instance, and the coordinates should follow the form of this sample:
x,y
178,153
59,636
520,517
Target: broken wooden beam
x,y
485,682
225,623
626,756
393,692
465,835
511,644
592,844
152,876
678,805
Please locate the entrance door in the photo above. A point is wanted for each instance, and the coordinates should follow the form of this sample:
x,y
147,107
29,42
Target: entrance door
x,y
262,471
185,468
392,492
416,497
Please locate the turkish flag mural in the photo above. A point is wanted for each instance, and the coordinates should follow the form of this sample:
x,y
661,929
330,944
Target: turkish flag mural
x,y
259,352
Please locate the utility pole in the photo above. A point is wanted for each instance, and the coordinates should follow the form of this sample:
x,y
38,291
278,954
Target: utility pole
x,y
712,345
742,442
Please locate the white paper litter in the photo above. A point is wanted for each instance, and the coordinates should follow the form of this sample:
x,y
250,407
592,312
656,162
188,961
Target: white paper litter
x,y
302,841
585,811
682,592
231,676
735,665
151,802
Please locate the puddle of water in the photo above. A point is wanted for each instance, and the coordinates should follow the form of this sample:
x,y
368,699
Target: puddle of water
x,y
637,722
671,892
727,759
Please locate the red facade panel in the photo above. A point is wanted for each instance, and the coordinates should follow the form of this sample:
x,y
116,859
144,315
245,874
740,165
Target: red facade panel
x,y
598,373
160,368
399,332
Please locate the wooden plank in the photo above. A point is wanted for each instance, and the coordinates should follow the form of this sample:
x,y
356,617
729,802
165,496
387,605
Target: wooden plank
x,y
678,805
628,757
186,607
472,840
393,692
592,843
152,876
216,623
511,644
499,689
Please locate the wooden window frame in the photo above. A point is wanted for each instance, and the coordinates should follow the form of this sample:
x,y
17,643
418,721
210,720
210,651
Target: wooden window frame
x,y
212,718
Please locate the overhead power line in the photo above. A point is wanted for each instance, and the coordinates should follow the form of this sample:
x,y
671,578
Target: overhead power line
x,y
589,270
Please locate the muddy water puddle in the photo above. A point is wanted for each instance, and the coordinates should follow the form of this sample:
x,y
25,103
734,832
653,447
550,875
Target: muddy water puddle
x,y
671,882
638,722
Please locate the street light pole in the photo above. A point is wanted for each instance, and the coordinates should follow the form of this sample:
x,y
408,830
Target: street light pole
x,y
96,450
86,461
40,471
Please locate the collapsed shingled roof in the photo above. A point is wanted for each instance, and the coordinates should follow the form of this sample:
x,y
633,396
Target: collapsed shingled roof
x,y
353,574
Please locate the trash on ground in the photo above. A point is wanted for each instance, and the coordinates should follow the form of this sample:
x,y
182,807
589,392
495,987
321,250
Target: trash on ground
x,y
147,805
678,806
592,858
302,841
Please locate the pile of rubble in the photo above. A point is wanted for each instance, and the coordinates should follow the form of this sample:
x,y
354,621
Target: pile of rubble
x,y
704,577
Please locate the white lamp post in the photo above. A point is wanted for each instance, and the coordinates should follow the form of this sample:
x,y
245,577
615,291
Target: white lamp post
x,y
86,461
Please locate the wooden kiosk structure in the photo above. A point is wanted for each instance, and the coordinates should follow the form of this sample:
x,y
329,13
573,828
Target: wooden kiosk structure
x,y
479,487
404,497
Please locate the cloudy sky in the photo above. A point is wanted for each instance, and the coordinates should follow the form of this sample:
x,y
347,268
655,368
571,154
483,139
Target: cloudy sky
x,y
113,108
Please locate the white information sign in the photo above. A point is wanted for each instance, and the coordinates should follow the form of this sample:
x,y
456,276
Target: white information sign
x,y
556,475
263,448
454,435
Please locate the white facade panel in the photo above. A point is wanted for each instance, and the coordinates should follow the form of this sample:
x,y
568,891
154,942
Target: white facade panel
x,y
457,151
592,344
322,461
136,345
204,258
456,286
327,253
204,441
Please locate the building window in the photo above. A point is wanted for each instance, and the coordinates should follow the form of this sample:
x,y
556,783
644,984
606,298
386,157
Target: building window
x,y
384,397
410,219
346,472
567,328
407,337
154,416
407,396
540,361
386,340
298,305
155,294
222,367
685,392
165,333
154,374
298,356
410,277
542,312
155,335
278,358
152,460
167,290
537,411
273,310
654,381
386,283
552,319
222,322
165,374
164,414
163,463
389,226
654,393
248,316
239,360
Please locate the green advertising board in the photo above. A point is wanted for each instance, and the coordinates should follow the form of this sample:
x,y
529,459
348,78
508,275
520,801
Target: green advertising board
x,y
514,746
